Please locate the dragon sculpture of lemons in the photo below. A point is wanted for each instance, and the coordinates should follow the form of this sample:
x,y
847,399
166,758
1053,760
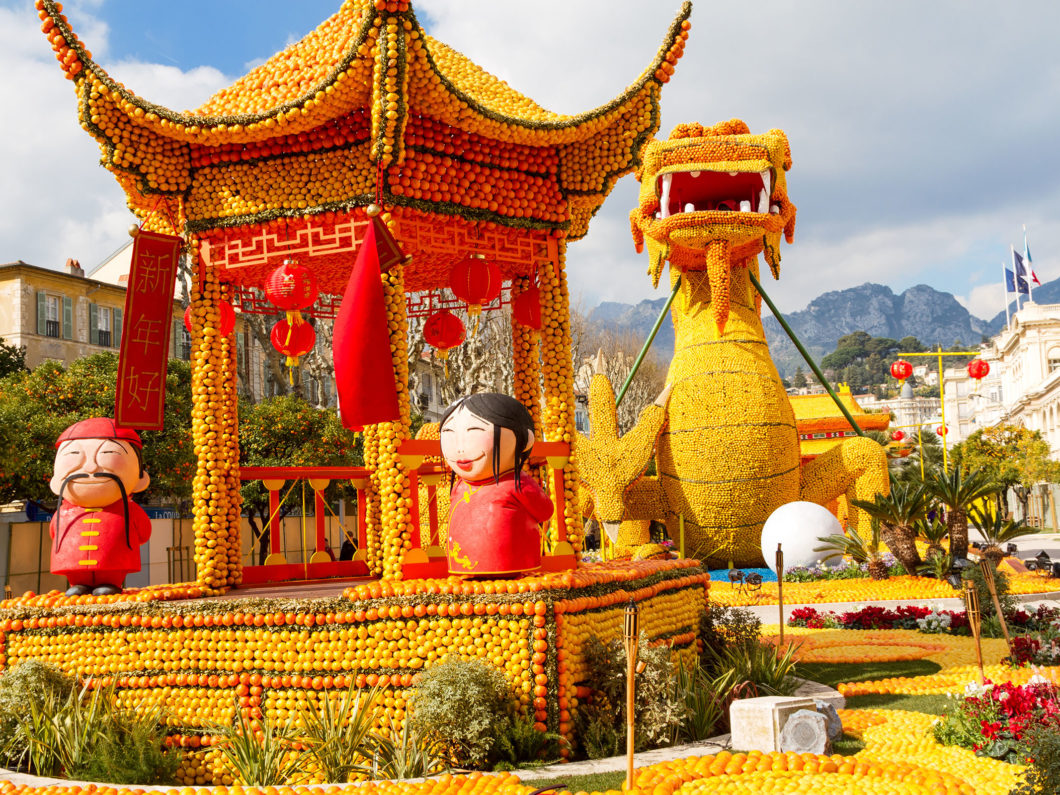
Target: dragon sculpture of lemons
x,y
723,434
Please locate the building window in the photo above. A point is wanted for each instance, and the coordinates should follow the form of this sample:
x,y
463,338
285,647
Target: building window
x,y
104,326
1054,364
52,323
185,344
55,315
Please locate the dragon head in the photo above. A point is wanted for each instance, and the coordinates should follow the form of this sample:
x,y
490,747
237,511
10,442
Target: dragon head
x,y
712,198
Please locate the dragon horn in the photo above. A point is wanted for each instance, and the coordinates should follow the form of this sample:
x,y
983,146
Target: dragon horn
x,y
718,275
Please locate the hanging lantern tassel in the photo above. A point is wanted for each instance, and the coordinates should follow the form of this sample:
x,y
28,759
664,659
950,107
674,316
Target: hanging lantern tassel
x,y
293,340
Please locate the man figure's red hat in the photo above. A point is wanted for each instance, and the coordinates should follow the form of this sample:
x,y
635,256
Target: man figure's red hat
x,y
99,428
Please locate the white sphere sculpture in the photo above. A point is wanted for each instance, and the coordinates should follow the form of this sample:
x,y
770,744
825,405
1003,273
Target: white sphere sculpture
x,y
797,526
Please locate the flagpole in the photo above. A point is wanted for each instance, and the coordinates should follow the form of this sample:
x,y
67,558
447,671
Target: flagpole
x,y
1031,275
1004,281
1015,276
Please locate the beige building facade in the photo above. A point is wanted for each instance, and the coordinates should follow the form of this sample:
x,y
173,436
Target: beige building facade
x,y
1028,354
64,316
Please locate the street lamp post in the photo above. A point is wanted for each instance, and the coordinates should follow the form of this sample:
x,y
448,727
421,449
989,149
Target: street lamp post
x,y
939,353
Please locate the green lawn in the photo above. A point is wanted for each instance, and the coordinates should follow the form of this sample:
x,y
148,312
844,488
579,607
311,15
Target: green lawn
x,y
592,782
833,673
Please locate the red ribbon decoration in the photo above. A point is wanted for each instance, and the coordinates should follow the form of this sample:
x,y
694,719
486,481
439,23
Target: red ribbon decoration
x,y
364,367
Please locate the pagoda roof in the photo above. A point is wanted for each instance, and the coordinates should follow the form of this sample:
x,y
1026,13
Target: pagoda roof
x,y
371,80
819,414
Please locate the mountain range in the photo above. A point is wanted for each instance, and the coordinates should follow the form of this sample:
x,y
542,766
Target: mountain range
x,y
932,316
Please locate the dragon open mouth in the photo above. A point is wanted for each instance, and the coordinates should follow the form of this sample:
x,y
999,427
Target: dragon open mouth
x,y
704,191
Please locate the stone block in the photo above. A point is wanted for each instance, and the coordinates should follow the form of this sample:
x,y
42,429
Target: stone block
x,y
758,722
835,724
806,731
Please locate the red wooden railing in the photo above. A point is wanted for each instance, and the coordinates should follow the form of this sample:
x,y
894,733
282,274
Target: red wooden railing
x,y
423,560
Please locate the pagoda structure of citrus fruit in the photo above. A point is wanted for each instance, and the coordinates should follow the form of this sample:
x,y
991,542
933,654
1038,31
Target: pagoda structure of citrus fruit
x,y
367,109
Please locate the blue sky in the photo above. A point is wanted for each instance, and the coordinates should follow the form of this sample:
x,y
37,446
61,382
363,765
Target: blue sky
x,y
923,134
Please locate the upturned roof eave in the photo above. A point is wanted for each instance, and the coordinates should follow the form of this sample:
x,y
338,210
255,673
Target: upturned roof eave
x,y
186,126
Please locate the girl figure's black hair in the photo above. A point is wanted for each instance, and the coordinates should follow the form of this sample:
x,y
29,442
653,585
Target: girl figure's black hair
x,y
503,411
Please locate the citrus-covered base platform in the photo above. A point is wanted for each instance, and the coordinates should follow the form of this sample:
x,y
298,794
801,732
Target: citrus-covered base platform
x,y
203,658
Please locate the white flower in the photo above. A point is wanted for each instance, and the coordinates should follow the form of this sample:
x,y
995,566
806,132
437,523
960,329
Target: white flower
x,y
1003,696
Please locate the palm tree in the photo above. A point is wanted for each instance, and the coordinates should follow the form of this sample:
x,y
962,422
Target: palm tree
x,y
897,512
853,546
934,532
957,491
997,530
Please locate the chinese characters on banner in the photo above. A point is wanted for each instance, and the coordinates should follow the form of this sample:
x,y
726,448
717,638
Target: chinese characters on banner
x,y
144,356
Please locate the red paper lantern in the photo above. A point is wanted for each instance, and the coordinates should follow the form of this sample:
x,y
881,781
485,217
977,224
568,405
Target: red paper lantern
x,y
901,369
942,430
526,309
476,281
291,287
898,436
978,369
293,340
227,321
443,330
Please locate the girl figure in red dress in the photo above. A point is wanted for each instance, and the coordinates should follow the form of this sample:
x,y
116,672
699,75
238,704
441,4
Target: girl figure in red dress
x,y
495,509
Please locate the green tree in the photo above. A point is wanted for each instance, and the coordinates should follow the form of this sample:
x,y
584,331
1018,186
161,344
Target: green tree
x,y
12,359
35,407
287,431
897,513
958,491
910,344
1013,456
799,379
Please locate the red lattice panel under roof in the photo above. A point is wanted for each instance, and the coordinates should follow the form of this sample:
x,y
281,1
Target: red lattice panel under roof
x,y
327,244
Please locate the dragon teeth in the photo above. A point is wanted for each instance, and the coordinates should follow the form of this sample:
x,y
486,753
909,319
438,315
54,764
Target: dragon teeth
x,y
763,202
745,206
664,199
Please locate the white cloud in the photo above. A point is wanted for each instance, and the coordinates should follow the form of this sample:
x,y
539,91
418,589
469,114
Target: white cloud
x,y
58,201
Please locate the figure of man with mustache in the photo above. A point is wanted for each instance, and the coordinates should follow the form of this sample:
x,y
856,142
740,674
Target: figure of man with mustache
x,y
97,530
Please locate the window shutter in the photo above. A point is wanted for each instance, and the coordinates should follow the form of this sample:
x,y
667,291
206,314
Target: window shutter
x,y
115,331
42,313
93,324
68,318
175,353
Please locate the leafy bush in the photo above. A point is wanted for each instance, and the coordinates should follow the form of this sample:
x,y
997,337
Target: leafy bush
x,y
261,757
702,704
1009,603
27,684
722,626
460,703
755,670
519,743
85,734
336,735
600,737
405,753
1043,749
130,749
656,706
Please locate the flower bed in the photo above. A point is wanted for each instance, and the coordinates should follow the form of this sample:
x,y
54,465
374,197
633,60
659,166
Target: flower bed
x,y
993,720
204,660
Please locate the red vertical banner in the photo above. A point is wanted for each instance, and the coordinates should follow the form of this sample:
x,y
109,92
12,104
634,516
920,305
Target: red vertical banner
x,y
140,395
